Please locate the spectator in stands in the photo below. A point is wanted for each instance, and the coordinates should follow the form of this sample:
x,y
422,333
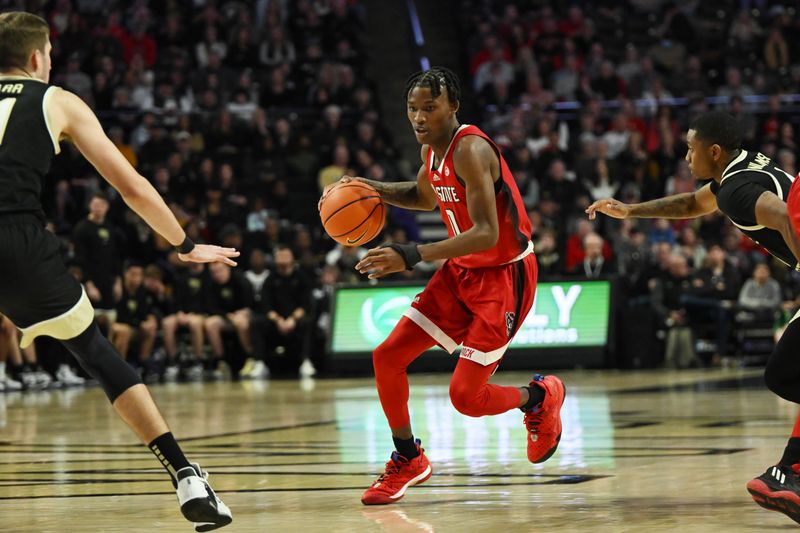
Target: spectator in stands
x,y
761,294
228,309
691,248
630,70
257,274
787,160
211,43
747,121
188,308
744,32
714,289
97,244
281,321
242,52
616,138
734,85
565,80
682,181
560,188
607,84
662,231
548,257
634,257
667,296
136,320
594,265
776,51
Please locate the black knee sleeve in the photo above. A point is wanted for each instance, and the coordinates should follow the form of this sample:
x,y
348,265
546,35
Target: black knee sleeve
x,y
782,374
101,360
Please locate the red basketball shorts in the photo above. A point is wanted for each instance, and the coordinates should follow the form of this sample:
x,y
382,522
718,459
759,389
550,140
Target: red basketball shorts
x,y
793,205
480,308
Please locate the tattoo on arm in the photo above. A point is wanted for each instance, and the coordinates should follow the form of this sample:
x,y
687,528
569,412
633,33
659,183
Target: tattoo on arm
x,y
675,206
401,194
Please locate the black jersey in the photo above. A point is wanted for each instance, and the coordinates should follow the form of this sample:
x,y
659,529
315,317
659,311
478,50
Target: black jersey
x,y
743,181
27,145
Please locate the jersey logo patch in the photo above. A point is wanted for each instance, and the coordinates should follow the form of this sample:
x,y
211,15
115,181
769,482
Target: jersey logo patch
x,y
446,170
510,323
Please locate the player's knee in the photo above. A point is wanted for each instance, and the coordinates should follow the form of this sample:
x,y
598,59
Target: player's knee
x,y
383,356
99,358
464,399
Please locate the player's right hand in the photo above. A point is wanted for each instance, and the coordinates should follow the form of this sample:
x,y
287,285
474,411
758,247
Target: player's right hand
x,y
209,253
610,207
327,189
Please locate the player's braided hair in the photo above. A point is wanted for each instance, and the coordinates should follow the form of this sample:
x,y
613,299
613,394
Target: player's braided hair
x,y
434,79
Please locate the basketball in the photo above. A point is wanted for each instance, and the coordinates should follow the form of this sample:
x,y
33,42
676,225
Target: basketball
x,y
352,213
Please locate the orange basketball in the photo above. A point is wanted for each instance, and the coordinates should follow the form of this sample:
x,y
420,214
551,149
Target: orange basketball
x,y
352,213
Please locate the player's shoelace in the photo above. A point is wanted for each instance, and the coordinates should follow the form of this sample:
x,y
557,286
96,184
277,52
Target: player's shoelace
x,y
534,419
392,468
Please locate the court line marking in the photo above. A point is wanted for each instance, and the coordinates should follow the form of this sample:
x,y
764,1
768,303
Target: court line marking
x,y
569,480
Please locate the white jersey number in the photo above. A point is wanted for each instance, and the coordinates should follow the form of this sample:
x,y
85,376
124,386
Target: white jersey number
x,y
453,224
6,105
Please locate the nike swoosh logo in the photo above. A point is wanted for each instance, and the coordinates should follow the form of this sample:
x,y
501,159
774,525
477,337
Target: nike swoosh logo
x,y
353,241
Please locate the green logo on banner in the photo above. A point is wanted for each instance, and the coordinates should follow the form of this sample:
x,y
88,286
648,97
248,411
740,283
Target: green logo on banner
x,y
380,313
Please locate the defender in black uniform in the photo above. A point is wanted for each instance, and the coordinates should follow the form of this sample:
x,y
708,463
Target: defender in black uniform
x,y
752,192
36,291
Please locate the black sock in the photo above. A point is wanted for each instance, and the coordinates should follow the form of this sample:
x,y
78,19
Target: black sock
x,y
536,396
166,449
791,454
406,447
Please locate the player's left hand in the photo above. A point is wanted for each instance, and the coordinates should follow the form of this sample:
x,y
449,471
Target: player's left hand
x,y
209,253
380,262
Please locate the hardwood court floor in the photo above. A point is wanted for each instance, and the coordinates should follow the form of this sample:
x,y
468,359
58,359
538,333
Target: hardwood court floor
x,y
644,451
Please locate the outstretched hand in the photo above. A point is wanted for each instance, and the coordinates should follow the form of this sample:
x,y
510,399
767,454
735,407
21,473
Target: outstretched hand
x,y
610,207
209,253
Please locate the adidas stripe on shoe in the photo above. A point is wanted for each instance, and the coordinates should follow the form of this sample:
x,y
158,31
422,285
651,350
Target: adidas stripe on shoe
x,y
777,489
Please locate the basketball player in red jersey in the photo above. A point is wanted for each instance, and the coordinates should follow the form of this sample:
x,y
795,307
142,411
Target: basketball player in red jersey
x,y
478,298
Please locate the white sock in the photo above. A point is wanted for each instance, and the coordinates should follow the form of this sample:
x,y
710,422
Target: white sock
x,y
2,370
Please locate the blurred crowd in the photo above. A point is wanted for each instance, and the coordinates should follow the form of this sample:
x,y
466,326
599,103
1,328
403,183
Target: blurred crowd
x,y
239,112
592,100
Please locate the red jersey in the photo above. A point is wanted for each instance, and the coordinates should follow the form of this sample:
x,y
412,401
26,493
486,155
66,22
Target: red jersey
x,y
514,226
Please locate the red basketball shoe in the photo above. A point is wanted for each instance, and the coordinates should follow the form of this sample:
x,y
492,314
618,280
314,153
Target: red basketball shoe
x,y
777,489
399,475
543,421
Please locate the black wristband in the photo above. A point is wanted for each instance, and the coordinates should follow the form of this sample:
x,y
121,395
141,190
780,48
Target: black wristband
x,y
185,247
408,252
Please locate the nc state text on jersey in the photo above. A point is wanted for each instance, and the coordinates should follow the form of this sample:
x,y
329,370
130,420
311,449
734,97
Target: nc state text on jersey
x,y
447,194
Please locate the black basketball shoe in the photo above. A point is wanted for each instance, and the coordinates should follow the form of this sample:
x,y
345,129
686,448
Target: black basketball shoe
x,y
777,489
